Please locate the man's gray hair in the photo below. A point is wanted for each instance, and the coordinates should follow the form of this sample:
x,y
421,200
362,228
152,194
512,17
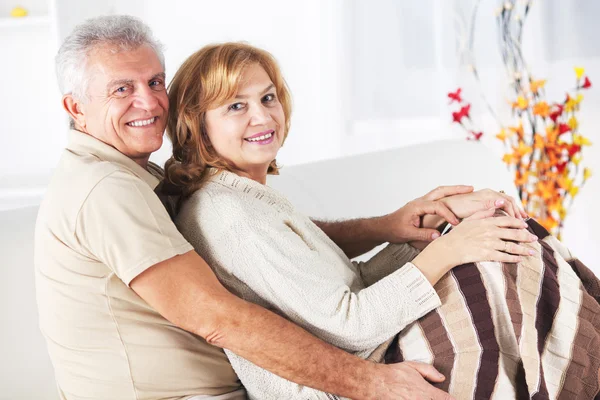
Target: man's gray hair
x,y
123,32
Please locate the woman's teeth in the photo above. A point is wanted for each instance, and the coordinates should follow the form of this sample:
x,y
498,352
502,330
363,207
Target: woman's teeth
x,y
142,122
263,137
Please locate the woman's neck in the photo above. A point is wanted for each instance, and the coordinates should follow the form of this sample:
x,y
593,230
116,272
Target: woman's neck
x,y
258,174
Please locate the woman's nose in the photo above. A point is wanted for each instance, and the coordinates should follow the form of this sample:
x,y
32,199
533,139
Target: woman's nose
x,y
260,115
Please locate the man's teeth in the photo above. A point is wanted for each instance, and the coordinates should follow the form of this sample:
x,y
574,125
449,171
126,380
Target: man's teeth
x,y
142,122
263,137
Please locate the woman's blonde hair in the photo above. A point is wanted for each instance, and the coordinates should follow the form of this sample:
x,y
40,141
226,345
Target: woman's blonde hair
x,y
207,79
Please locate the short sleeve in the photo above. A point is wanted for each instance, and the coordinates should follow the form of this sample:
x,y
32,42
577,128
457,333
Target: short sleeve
x,y
123,224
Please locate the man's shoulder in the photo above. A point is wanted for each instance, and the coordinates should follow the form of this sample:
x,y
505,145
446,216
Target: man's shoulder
x,y
75,178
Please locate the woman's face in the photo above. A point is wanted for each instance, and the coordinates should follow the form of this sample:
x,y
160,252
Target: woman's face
x,y
248,129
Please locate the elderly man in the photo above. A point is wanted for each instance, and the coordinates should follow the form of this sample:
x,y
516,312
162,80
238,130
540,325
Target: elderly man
x,y
128,309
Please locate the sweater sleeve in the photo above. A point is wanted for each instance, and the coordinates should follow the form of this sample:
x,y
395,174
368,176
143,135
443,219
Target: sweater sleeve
x,y
387,261
267,262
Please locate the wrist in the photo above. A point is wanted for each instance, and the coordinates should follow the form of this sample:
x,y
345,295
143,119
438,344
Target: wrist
x,y
378,229
433,261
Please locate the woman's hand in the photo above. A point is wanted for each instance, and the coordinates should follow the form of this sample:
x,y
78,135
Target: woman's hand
x,y
465,205
404,224
481,237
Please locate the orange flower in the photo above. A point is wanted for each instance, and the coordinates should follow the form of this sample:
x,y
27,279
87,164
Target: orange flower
x,y
502,135
542,109
521,103
572,103
538,141
518,129
522,179
522,149
552,133
510,158
537,85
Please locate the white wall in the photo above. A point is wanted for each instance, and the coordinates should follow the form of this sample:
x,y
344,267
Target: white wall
x,y
303,36
365,76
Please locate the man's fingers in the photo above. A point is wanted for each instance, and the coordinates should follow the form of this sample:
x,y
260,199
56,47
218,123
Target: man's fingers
x,y
445,191
427,371
438,208
423,234
437,394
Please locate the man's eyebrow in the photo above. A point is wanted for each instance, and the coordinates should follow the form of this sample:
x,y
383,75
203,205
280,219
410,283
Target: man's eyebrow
x,y
271,86
160,75
119,82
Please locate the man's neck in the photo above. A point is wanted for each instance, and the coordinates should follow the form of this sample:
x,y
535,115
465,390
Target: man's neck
x,y
141,161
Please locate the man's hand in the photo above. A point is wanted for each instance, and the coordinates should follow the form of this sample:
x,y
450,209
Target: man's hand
x,y
404,224
465,205
406,381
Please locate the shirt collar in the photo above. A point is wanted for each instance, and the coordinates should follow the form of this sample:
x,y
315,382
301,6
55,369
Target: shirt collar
x,y
80,142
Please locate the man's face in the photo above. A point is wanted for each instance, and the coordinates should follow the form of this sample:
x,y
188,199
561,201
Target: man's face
x,y
127,101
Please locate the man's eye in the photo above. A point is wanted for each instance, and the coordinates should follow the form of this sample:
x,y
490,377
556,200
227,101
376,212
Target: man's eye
x,y
122,89
156,83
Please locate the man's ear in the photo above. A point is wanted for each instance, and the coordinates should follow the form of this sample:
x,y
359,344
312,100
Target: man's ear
x,y
73,107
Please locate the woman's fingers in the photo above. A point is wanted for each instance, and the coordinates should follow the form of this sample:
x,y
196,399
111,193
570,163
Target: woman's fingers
x,y
514,248
509,222
445,191
482,214
516,235
505,257
518,213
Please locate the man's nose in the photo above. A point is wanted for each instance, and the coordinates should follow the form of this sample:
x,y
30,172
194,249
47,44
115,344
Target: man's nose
x,y
146,99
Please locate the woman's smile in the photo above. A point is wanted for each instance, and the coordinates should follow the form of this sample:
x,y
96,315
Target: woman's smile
x,y
261,138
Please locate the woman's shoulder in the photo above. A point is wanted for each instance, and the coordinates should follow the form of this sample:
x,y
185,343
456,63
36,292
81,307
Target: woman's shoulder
x,y
210,199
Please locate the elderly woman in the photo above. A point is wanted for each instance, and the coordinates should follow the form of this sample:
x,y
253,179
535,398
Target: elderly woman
x,y
230,115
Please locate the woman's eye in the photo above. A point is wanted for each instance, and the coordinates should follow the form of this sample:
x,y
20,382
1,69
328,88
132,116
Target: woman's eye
x,y
236,106
269,98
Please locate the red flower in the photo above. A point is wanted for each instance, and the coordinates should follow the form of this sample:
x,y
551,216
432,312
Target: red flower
x,y
574,149
560,167
464,112
563,128
557,112
586,83
455,96
475,135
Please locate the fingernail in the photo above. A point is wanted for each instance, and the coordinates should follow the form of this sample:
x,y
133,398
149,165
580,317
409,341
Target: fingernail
x,y
435,235
499,202
531,252
533,237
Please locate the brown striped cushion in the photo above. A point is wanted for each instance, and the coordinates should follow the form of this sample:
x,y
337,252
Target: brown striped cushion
x,y
513,331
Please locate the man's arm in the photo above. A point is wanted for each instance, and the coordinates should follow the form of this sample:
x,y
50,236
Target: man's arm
x,y
356,236
186,292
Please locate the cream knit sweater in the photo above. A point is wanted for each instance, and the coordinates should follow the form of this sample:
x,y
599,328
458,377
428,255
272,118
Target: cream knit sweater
x,y
266,252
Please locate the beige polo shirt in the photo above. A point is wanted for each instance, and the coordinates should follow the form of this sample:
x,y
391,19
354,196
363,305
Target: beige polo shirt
x,y
99,226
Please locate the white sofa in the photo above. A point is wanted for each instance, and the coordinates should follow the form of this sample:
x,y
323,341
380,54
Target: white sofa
x,y
363,185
